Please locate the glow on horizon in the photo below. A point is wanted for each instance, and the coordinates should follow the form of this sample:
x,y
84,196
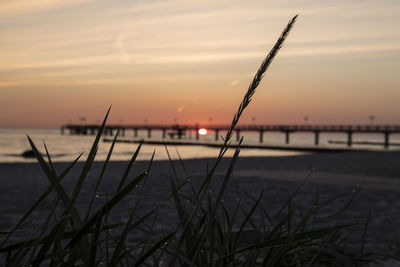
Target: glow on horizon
x,y
192,60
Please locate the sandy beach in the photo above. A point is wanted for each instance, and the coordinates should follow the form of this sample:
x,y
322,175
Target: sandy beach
x,y
327,175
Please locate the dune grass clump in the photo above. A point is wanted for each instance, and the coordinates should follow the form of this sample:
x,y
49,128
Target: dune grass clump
x,y
208,233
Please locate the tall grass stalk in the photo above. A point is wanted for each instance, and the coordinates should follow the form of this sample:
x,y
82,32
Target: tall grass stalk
x,y
255,82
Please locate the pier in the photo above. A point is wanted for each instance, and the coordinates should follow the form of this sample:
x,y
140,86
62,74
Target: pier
x,y
182,130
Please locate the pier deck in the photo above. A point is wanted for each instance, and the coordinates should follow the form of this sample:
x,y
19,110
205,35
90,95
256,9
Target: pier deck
x,y
180,130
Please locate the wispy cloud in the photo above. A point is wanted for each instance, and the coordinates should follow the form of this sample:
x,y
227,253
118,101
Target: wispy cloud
x,y
180,31
120,46
9,8
234,83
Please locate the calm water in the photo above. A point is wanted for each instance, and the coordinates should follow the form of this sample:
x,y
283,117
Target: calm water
x,y
66,147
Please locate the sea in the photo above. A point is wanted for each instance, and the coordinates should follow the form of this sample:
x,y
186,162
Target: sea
x,y
66,147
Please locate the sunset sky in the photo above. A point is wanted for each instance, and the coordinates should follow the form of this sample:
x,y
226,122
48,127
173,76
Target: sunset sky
x,y
190,61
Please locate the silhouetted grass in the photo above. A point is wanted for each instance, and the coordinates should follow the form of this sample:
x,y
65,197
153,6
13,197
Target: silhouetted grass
x,y
208,233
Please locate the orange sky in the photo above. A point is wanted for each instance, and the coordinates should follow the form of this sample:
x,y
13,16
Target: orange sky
x,y
193,60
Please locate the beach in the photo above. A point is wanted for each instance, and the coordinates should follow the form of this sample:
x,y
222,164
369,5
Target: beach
x,y
371,178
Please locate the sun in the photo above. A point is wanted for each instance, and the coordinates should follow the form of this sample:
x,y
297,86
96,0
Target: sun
x,y
202,131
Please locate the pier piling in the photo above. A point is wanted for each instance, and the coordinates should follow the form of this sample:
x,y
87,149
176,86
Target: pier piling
x,y
349,138
287,135
387,134
237,135
316,138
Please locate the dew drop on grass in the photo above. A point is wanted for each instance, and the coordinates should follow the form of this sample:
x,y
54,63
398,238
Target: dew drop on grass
x,y
97,195
145,173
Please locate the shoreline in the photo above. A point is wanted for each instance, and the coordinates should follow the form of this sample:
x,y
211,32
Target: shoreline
x,y
294,148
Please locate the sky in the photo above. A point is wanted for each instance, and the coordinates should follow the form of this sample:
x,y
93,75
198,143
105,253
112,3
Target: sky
x,y
192,61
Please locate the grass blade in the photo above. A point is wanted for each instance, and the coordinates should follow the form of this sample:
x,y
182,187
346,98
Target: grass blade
x,y
101,175
88,164
42,197
95,240
153,249
129,227
106,208
306,235
130,164
53,179
248,216
48,241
